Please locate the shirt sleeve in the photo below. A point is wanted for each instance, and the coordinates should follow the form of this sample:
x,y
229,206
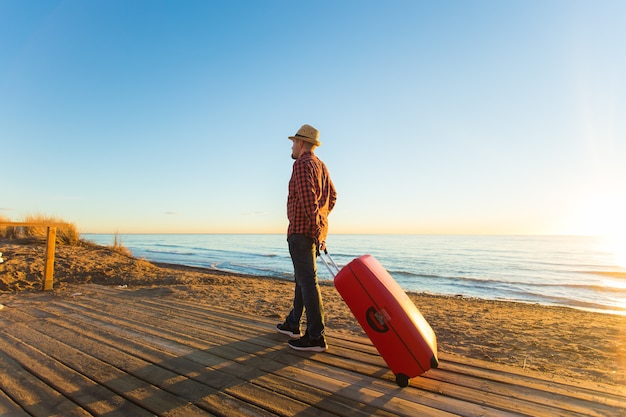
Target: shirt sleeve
x,y
333,196
306,186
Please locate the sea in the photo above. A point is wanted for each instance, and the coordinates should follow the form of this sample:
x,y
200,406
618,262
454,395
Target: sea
x,y
572,271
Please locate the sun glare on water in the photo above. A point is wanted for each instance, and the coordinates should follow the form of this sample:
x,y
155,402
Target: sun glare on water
x,y
617,245
605,216
615,231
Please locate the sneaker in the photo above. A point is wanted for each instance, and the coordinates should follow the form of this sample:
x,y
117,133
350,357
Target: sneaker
x,y
308,344
284,328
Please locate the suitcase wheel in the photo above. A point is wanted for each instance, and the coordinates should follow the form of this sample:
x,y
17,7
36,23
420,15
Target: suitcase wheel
x,y
402,380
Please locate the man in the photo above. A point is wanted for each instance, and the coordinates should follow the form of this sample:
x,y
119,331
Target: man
x,y
311,197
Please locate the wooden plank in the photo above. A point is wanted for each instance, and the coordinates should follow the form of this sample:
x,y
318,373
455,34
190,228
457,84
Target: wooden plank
x,y
213,349
570,401
242,364
257,394
251,359
343,384
32,395
216,333
544,398
544,380
320,398
583,401
227,363
251,393
170,371
8,407
94,398
385,394
122,383
224,325
182,387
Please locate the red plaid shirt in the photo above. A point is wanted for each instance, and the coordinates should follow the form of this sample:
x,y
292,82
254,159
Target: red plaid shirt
x,y
311,198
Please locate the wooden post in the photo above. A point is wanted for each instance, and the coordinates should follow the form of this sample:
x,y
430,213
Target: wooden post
x,y
48,269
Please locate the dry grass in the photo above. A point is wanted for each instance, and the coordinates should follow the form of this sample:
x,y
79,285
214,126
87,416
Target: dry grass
x,y
118,247
67,233
3,229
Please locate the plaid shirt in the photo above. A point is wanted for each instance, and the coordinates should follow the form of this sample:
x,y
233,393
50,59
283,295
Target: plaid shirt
x,y
311,197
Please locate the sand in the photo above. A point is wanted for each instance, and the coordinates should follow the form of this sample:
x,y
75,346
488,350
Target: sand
x,y
555,340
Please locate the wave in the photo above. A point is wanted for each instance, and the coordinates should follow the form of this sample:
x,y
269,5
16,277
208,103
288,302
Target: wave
x,y
612,274
578,303
471,281
605,287
189,251
250,270
162,252
417,275
568,302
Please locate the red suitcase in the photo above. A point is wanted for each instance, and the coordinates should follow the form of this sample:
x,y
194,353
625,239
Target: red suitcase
x,y
395,326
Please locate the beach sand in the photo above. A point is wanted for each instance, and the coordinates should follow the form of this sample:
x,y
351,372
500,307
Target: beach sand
x,y
555,340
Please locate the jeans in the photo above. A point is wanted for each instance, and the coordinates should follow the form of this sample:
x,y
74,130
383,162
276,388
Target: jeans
x,y
307,294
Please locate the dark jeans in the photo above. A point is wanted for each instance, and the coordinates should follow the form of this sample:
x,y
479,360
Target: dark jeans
x,y
307,294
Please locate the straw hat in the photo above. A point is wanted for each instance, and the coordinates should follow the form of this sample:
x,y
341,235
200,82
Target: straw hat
x,y
308,134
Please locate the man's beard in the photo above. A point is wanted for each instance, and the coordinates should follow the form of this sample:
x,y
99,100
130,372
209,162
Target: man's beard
x,y
293,156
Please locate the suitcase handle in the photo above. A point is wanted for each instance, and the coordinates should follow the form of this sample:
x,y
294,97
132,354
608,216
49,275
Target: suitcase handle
x,y
334,272
376,320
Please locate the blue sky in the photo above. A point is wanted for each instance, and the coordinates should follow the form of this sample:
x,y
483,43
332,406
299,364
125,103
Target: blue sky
x,y
435,116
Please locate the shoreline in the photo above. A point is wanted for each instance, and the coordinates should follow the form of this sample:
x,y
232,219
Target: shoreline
x,y
595,289
330,283
562,341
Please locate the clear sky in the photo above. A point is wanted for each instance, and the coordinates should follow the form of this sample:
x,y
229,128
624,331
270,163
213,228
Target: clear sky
x,y
435,116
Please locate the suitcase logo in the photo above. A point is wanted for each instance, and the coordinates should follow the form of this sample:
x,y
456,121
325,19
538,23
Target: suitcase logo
x,y
377,319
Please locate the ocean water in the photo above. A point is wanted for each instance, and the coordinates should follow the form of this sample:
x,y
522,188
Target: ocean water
x,y
578,272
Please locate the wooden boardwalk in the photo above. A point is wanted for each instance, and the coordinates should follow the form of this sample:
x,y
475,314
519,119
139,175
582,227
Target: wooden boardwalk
x,y
103,352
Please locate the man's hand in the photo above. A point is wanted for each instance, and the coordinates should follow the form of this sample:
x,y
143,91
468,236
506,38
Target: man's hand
x,y
322,246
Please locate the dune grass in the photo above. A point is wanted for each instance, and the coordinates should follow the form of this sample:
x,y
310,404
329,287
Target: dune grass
x,y
3,229
67,233
118,247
